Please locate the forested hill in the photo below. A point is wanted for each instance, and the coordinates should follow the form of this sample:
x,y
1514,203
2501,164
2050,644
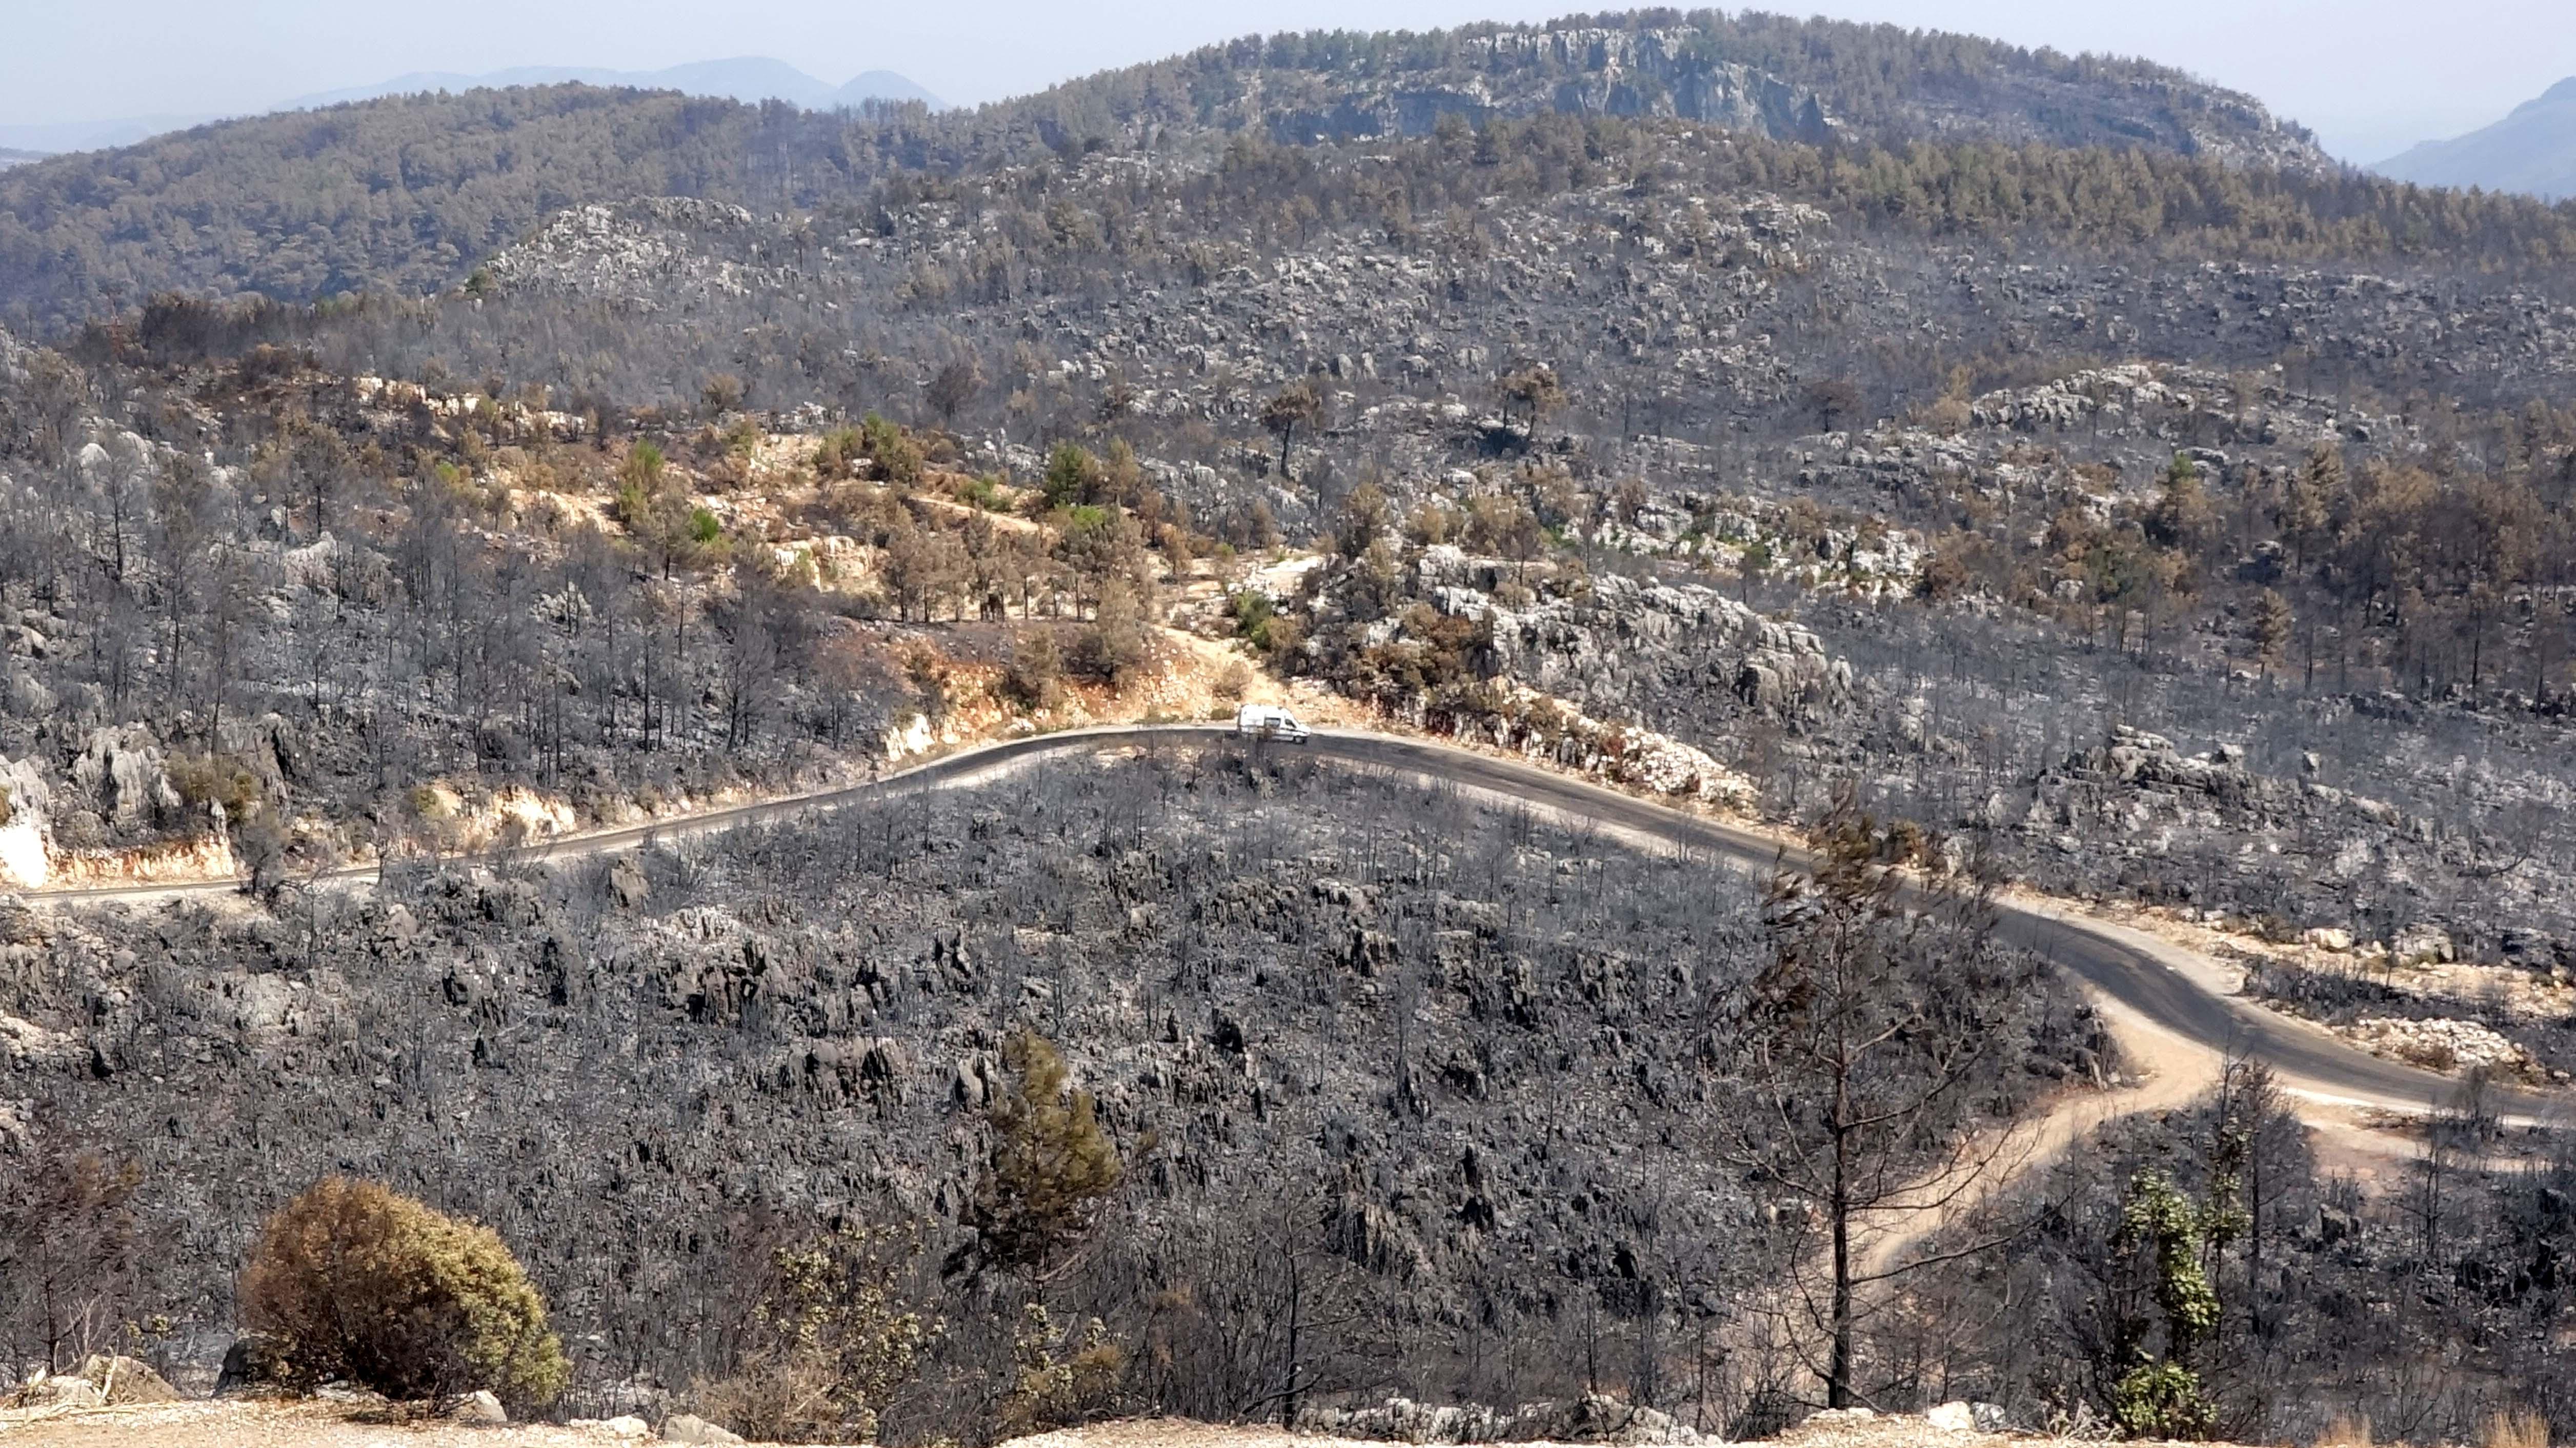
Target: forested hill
x,y
401,194
407,194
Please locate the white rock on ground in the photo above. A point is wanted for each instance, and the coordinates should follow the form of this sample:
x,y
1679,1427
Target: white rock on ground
x,y
690,1428
2438,1044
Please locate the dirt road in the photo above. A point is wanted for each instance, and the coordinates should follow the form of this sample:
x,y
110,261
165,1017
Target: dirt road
x,y
2151,982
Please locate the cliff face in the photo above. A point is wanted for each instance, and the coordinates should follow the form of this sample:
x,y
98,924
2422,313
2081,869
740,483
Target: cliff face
x,y
1590,71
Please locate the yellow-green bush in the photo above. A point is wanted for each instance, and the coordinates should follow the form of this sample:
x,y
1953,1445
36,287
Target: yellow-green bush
x,y
353,1281
203,779
838,1334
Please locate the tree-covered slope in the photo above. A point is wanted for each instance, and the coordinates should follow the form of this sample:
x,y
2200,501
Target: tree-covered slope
x,y
407,194
404,193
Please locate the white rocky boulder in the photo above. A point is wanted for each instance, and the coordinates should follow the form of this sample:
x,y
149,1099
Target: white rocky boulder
x,y
690,1428
121,770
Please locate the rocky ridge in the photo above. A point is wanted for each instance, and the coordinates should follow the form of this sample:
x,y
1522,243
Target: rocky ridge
x,y
1773,78
1577,640
645,254
1662,72
1618,293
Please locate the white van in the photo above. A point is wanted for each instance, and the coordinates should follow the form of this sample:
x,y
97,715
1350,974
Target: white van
x,y
1269,721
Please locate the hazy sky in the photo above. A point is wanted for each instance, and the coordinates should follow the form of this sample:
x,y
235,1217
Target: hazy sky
x,y
2370,75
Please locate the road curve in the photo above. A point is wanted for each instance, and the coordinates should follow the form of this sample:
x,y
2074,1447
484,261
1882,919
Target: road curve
x,y
2096,954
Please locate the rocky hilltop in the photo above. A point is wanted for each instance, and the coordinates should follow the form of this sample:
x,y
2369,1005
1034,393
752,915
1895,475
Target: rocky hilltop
x,y
1809,80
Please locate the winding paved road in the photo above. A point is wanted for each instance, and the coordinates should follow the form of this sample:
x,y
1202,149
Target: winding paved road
x,y
2108,958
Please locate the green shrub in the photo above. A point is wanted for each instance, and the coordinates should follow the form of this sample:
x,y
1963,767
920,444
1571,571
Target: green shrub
x,y
1072,476
839,454
642,469
204,779
1253,611
1034,677
898,457
354,1281
1052,1161
2162,1400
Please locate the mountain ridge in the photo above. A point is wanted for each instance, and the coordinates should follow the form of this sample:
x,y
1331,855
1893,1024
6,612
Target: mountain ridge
x,y
750,79
747,79
2532,150
1813,83
54,138
1871,82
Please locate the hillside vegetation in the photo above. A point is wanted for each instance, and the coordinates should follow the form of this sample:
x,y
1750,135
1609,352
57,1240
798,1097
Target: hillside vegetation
x,y
408,194
400,195
1995,468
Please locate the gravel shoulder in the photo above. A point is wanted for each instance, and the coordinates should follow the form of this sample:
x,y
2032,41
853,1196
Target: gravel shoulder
x,y
1857,1430
268,1423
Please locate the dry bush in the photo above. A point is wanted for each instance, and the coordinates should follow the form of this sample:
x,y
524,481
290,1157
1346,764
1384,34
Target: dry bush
x,y
1948,417
1116,648
69,1243
836,1336
353,1281
203,779
1058,1381
2346,1431
2515,1429
791,1398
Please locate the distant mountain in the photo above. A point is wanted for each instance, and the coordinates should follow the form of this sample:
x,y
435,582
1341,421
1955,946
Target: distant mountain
x,y
885,85
749,79
2532,150
51,137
